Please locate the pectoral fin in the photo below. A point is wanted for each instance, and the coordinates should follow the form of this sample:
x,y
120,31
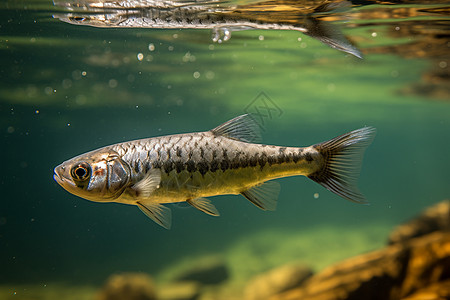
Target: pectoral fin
x,y
204,205
157,212
147,185
264,196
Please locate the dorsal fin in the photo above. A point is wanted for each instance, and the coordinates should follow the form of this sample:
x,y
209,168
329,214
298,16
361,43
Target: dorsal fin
x,y
243,128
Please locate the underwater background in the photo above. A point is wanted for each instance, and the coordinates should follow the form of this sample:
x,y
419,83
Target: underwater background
x,y
67,89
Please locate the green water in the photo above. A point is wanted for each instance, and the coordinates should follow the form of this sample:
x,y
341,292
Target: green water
x,y
67,89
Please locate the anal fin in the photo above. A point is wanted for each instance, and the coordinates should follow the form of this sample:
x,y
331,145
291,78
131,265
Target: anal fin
x,y
264,195
157,212
204,205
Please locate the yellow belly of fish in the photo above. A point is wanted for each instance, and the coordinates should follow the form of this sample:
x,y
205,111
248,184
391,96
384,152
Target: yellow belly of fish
x,y
178,187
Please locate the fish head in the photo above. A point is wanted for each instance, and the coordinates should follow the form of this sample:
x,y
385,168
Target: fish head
x,y
99,176
102,19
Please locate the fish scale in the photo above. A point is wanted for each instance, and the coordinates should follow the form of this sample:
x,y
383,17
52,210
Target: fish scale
x,y
190,167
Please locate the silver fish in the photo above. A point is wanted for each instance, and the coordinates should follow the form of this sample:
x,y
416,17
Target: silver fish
x,y
215,15
190,167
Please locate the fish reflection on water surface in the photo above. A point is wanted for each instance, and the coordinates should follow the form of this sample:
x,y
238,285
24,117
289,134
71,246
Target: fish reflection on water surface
x,y
225,160
221,17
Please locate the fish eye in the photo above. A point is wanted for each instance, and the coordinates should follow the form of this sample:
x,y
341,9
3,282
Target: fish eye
x,y
81,171
77,19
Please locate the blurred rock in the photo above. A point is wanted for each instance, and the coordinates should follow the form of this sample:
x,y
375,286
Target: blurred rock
x,y
429,262
209,270
369,276
180,291
128,286
395,272
436,291
276,281
435,218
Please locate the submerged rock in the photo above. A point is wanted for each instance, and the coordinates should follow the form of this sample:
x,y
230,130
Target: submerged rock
x,y
435,218
209,270
180,291
435,291
411,268
276,281
394,272
128,286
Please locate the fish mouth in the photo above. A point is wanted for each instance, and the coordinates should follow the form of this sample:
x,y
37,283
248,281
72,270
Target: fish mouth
x,y
57,178
58,174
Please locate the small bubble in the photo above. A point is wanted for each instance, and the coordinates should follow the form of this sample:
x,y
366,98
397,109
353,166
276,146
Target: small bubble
x,y
151,47
303,45
211,47
80,99
196,75
374,34
48,90
170,48
443,64
175,35
32,219
76,75
36,111
188,57
115,62
397,28
67,83
140,56
10,129
31,91
331,87
137,106
112,83
261,38
316,195
68,124
33,40
84,73
299,39
210,75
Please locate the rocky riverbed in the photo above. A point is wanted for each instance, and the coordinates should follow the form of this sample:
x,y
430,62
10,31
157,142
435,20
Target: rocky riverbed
x,y
414,264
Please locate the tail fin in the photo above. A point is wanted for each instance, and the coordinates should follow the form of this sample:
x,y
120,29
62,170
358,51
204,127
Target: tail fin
x,y
330,34
343,158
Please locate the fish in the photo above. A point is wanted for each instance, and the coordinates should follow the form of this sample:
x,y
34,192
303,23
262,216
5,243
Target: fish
x,y
219,16
227,160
